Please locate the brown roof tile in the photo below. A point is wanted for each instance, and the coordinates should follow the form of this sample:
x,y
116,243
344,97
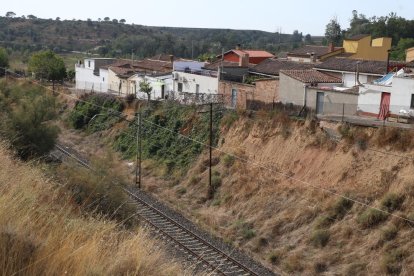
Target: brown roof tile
x,y
350,65
215,65
357,37
272,66
310,76
308,49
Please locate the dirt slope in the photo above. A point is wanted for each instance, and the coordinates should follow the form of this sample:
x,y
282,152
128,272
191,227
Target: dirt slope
x,y
274,202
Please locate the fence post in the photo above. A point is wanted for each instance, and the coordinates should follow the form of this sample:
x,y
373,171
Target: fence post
x,y
343,111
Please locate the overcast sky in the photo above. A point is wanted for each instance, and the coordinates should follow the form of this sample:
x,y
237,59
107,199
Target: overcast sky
x,y
268,15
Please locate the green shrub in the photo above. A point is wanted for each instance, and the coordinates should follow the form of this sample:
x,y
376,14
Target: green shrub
x,y
392,261
97,106
181,191
392,202
275,257
389,233
229,119
371,217
320,238
25,112
215,184
99,192
336,212
228,160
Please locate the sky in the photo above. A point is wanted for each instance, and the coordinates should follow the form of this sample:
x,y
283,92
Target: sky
x,y
303,15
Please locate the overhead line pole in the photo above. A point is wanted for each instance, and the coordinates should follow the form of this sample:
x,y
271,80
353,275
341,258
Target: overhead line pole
x,y
138,156
211,146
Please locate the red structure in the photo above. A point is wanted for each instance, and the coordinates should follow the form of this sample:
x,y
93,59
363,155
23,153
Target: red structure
x,y
254,56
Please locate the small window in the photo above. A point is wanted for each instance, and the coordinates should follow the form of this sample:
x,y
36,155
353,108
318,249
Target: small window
x,y
103,79
89,63
180,87
412,101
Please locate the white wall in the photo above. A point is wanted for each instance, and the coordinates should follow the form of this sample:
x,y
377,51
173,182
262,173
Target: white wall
x,y
190,65
156,84
349,79
402,89
87,80
207,84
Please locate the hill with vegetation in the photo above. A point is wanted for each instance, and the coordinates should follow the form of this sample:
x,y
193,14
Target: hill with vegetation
x,y
113,38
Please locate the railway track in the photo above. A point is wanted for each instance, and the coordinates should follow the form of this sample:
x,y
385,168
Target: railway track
x,y
207,256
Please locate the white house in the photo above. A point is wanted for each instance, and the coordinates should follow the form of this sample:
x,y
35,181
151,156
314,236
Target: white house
x,y
191,77
354,72
392,95
162,85
90,76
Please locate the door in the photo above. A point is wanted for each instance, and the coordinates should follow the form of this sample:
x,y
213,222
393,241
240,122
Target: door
x,y
162,91
319,102
233,98
385,106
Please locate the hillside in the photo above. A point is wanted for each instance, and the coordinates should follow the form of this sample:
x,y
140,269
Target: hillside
x,y
117,39
282,190
278,199
43,232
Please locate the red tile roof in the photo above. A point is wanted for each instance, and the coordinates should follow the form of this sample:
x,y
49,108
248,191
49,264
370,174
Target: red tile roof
x,y
251,53
310,76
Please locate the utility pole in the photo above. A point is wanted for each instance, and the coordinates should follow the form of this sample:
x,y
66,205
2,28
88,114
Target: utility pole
x,y
211,146
138,157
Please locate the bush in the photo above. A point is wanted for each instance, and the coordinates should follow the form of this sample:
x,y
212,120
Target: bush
x,y
215,184
398,139
99,191
391,262
228,160
371,217
392,202
389,233
336,212
25,111
320,238
96,104
275,257
229,119
130,98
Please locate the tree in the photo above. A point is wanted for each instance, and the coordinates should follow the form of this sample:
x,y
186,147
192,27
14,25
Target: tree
x,y
107,19
31,16
145,86
46,65
333,32
57,19
4,61
399,51
122,21
308,39
10,14
115,20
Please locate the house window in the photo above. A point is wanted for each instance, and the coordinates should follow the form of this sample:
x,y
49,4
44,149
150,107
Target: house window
x,y
180,87
89,63
412,101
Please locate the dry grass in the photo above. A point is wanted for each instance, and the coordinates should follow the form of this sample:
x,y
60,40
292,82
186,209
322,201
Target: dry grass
x,y
42,233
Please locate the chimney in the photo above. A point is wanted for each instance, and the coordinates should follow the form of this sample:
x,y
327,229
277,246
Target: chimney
x,y
244,60
238,46
331,47
171,58
313,57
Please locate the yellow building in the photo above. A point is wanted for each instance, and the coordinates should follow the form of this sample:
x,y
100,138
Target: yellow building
x,y
409,54
364,47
